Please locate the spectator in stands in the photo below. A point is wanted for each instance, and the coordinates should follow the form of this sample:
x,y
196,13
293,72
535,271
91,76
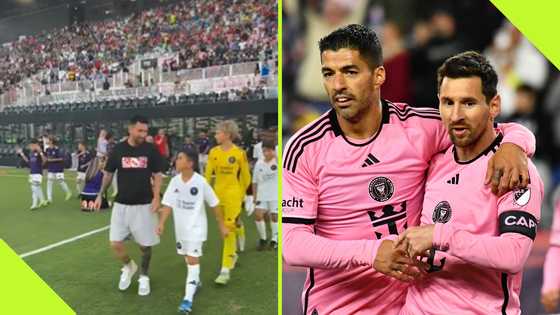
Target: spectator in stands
x,y
101,147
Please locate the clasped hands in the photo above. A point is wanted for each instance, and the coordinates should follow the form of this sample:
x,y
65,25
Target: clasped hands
x,y
402,258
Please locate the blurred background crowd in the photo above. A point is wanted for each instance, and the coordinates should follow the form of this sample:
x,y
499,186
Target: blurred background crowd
x,y
202,33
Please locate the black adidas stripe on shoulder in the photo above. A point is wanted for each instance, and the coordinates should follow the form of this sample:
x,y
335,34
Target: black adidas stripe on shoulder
x,y
404,114
293,143
421,110
403,118
301,149
311,134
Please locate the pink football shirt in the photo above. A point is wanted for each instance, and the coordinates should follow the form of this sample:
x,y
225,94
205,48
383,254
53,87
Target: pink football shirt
x,y
341,196
482,240
551,277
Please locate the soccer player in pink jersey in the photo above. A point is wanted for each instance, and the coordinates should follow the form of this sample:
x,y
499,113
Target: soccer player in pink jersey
x,y
474,242
354,179
551,278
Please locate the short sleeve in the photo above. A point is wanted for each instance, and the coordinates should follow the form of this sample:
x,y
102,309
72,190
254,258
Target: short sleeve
x,y
169,197
300,193
519,211
113,162
155,162
209,195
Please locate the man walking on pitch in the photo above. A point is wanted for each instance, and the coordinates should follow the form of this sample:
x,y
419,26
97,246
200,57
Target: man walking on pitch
x,y
137,162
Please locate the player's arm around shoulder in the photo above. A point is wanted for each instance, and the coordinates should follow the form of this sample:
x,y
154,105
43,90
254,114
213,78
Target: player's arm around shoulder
x,y
507,168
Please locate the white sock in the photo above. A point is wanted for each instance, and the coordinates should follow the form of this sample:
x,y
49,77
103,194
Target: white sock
x,y
261,228
40,193
193,272
49,189
274,228
224,270
64,186
34,196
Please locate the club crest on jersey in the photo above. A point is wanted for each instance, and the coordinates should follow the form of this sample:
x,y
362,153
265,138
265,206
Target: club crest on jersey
x,y
381,189
231,159
521,196
273,167
194,191
442,212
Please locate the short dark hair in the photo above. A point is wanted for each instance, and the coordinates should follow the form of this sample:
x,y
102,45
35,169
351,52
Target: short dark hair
x,y
358,37
191,155
34,141
109,135
470,64
268,144
138,119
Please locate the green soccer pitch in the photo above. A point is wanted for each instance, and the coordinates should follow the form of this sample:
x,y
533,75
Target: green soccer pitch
x,y
85,274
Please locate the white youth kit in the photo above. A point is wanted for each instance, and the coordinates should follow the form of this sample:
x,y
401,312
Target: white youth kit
x,y
189,215
265,176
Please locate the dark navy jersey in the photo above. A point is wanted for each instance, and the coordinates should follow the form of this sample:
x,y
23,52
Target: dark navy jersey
x,y
35,162
93,186
83,161
55,153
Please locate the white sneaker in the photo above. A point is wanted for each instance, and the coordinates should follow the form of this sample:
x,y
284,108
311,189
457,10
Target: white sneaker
x,y
143,285
128,272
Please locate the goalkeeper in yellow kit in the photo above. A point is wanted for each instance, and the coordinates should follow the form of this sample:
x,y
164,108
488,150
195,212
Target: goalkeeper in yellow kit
x,y
228,164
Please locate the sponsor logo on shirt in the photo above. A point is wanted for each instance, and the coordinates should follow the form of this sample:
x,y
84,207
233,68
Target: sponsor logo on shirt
x,y
521,196
388,215
292,203
442,212
134,162
381,189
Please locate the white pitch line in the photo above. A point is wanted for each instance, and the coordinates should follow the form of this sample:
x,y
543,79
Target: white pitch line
x,y
75,238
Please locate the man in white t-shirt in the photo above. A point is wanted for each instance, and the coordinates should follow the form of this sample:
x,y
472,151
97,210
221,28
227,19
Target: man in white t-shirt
x,y
265,192
185,195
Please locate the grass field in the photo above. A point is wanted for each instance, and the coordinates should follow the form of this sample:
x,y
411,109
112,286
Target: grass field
x,y
85,274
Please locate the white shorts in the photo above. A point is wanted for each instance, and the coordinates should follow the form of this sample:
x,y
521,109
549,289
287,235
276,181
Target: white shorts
x,y
59,176
35,179
137,221
81,176
189,248
267,206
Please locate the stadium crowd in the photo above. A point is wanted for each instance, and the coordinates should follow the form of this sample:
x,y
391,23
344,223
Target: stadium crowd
x,y
203,33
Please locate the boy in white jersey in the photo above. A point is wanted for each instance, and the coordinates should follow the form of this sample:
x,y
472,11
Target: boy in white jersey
x,y
265,192
185,195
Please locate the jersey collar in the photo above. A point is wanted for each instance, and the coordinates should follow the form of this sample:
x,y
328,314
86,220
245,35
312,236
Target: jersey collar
x,y
338,131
